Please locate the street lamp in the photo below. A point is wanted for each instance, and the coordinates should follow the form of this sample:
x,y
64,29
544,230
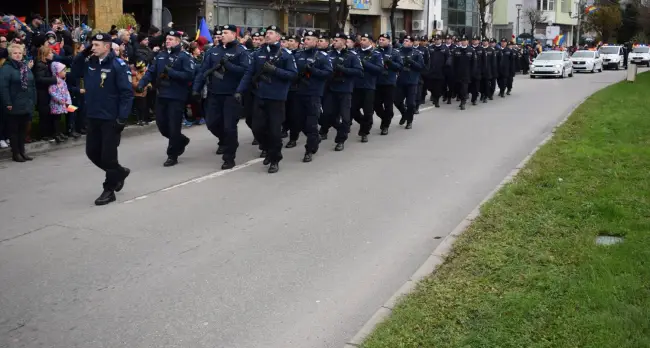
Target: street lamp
x,y
519,6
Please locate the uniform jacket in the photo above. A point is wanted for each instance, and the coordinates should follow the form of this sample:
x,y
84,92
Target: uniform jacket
x,y
425,59
11,92
274,86
178,66
505,59
490,71
439,61
347,67
480,64
109,94
312,80
413,64
235,61
372,62
392,66
464,60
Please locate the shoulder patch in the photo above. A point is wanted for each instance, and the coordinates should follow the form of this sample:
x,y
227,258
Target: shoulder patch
x,y
287,50
354,52
119,60
323,53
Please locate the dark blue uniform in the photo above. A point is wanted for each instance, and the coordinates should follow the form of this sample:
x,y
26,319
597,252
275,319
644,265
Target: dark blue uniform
x,y
223,111
172,71
314,68
422,91
269,75
363,97
439,62
477,74
450,81
109,96
464,60
385,90
407,83
337,100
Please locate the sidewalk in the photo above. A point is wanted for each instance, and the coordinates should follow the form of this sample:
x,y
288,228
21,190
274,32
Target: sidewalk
x,y
528,271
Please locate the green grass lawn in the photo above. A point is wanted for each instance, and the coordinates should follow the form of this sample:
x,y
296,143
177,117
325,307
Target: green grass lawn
x,y
527,273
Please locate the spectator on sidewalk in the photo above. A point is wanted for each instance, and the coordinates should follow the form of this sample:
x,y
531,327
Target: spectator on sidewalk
x,y
140,99
17,99
59,97
44,79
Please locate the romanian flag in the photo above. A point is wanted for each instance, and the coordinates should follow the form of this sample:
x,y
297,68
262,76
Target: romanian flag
x,y
559,40
203,31
589,9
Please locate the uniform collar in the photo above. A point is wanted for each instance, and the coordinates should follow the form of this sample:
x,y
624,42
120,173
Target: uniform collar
x,y
273,47
174,49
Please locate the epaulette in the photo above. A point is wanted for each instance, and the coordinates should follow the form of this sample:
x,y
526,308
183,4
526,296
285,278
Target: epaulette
x,y
188,53
287,50
324,53
121,61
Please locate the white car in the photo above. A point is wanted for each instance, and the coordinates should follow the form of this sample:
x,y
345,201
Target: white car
x,y
612,57
552,63
640,55
587,61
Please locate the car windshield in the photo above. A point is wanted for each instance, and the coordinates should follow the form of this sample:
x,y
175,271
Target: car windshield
x,y
641,50
550,56
609,50
583,54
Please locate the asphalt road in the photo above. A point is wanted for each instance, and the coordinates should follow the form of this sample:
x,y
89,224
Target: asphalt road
x,y
193,257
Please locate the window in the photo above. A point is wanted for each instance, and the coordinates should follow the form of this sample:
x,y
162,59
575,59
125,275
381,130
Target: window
x,y
246,17
298,22
546,5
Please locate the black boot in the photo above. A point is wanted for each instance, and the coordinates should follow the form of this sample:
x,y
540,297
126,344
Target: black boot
x,y
323,136
402,121
384,131
285,134
17,158
255,142
220,150
170,162
25,157
106,197
364,138
308,157
339,147
436,103
274,167
120,184
449,101
508,92
230,164
291,144
409,125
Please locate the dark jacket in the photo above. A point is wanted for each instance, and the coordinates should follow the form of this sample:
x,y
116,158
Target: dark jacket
x,y
314,67
392,66
276,84
347,67
172,71
413,64
233,61
44,79
373,66
144,54
439,61
464,60
12,94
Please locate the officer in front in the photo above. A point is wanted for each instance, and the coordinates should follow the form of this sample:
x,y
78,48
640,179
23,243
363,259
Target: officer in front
x,y
269,75
407,81
420,44
109,96
172,70
464,59
385,88
258,41
314,67
477,73
223,67
505,59
489,72
363,96
338,96
439,61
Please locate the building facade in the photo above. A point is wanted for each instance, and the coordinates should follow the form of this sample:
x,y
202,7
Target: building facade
x,y
460,17
558,17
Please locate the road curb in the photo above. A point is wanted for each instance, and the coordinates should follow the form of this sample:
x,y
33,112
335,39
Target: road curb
x,y
440,253
40,147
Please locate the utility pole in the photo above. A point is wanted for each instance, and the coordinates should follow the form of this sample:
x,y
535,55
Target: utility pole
x,y
519,6
579,14
156,13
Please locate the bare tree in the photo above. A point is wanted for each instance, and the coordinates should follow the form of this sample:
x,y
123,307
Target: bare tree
x,y
483,5
534,17
605,21
338,15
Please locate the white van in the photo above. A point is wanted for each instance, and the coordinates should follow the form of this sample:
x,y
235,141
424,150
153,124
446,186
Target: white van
x,y
613,56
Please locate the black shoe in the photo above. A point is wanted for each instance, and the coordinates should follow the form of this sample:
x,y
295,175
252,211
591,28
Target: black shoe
x,y
417,110
449,101
484,100
307,157
491,97
105,198
462,106
409,125
228,165
17,158
384,131
436,104
285,134
58,139
25,157
339,147
290,144
220,150
508,92
120,184
502,95
255,142
63,136
323,136
187,142
263,154
473,102
273,168
364,138
402,121
170,162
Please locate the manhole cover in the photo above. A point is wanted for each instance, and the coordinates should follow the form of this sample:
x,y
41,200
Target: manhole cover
x,y
608,240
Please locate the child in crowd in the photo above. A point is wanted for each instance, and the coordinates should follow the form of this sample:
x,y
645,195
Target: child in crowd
x,y
140,99
59,97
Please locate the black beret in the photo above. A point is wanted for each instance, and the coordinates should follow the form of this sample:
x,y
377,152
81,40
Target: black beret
x,y
229,27
385,36
493,40
292,37
314,33
257,34
368,36
273,27
341,36
324,36
101,37
408,37
175,33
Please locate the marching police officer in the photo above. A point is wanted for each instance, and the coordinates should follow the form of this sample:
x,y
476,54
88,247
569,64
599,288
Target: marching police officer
x,y
450,81
324,42
489,71
479,67
495,71
464,59
504,63
338,96
173,71
258,41
269,75
292,44
314,67
407,81
109,96
223,67
439,62
420,45
514,66
364,86
385,89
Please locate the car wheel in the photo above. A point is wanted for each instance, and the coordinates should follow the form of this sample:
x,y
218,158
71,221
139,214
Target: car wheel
x,y
571,73
532,76
562,75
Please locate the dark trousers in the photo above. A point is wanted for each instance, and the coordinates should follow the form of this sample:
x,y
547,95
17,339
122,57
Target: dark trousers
x,y
169,118
102,141
420,94
474,88
223,112
248,101
17,125
423,86
503,82
268,116
463,90
384,95
450,86
363,100
336,114
141,108
493,86
307,110
437,88
408,93
509,81
485,88
289,112
4,126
